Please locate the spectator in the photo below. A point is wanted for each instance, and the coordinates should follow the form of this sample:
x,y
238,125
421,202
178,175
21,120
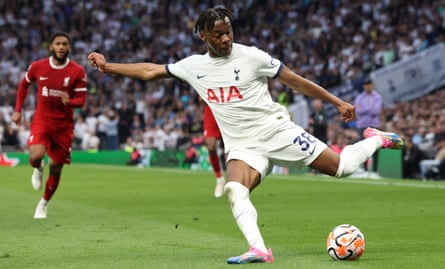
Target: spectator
x,y
2,128
437,172
112,131
136,158
369,108
84,135
149,137
191,156
102,122
424,139
339,143
80,128
299,110
23,131
427,164
91,121
159,138
10,139
125,113
319,121
173,136
411,157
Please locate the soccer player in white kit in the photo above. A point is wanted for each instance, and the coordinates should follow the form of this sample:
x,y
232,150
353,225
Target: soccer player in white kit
x,y
233,80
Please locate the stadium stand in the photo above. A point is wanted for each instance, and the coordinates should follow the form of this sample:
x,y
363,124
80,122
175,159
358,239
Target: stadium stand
x,y
331,42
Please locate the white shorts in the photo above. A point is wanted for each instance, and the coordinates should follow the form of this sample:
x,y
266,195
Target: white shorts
x,y
290,146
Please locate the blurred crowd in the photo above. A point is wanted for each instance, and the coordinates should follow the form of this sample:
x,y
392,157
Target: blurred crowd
x,y
330,42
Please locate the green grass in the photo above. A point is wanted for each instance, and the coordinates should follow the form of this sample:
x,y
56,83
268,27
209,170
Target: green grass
x,y
119,217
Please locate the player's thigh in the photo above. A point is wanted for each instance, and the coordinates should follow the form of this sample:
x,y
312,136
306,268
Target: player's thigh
x,y
37,151
293,147
59,149
247,166
38,142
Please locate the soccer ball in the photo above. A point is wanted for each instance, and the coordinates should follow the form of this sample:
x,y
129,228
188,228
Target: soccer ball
x,y
345,242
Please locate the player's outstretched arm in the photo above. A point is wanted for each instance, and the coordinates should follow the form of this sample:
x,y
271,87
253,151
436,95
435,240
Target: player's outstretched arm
x,y
144,71
309,88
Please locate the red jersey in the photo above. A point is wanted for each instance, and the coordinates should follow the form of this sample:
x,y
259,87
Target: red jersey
x,y
52,80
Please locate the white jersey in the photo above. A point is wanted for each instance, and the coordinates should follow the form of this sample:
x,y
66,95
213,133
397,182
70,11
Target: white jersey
x,y
236,89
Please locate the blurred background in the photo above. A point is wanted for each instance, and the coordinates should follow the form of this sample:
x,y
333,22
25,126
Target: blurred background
x,y
339,44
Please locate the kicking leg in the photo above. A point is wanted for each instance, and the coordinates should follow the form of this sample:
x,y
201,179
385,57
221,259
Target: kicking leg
x,y
354,155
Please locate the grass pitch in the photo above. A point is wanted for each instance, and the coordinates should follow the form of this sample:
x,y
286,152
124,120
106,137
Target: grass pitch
x,y
121,217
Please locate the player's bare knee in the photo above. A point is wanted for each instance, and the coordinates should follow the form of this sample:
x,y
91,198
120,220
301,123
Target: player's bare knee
x,y
36,155
35,161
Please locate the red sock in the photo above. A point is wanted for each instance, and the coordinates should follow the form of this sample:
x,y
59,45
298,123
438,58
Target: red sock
x,y
51,186
214,161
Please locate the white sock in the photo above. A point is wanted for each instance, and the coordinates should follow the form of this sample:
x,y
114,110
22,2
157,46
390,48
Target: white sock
x,y
354,155
43,202
245,214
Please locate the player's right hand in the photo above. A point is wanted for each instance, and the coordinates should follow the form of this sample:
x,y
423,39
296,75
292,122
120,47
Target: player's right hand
x,y
16,117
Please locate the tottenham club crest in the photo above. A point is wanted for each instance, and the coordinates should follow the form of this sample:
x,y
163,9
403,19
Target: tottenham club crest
x,y
236,71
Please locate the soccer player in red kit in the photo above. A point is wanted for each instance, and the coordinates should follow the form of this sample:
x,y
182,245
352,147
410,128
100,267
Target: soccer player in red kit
x,y
212,135
61,87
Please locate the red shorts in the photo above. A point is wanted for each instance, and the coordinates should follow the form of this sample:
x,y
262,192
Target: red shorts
x,y
209,124
57,137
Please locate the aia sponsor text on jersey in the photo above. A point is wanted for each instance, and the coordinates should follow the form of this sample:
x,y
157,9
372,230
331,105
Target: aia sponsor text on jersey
x,y
224,95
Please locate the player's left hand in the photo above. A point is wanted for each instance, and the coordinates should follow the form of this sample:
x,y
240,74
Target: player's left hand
x,y
347,112
97,60
65,98
17,117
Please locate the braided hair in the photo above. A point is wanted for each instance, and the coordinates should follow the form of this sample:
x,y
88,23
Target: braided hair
x,y
207,18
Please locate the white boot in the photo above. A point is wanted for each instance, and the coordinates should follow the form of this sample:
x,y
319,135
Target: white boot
x,y
41,209
219,189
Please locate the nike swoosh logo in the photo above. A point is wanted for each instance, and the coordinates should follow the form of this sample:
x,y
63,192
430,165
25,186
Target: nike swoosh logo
x,y
200,76
43,78
312,151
